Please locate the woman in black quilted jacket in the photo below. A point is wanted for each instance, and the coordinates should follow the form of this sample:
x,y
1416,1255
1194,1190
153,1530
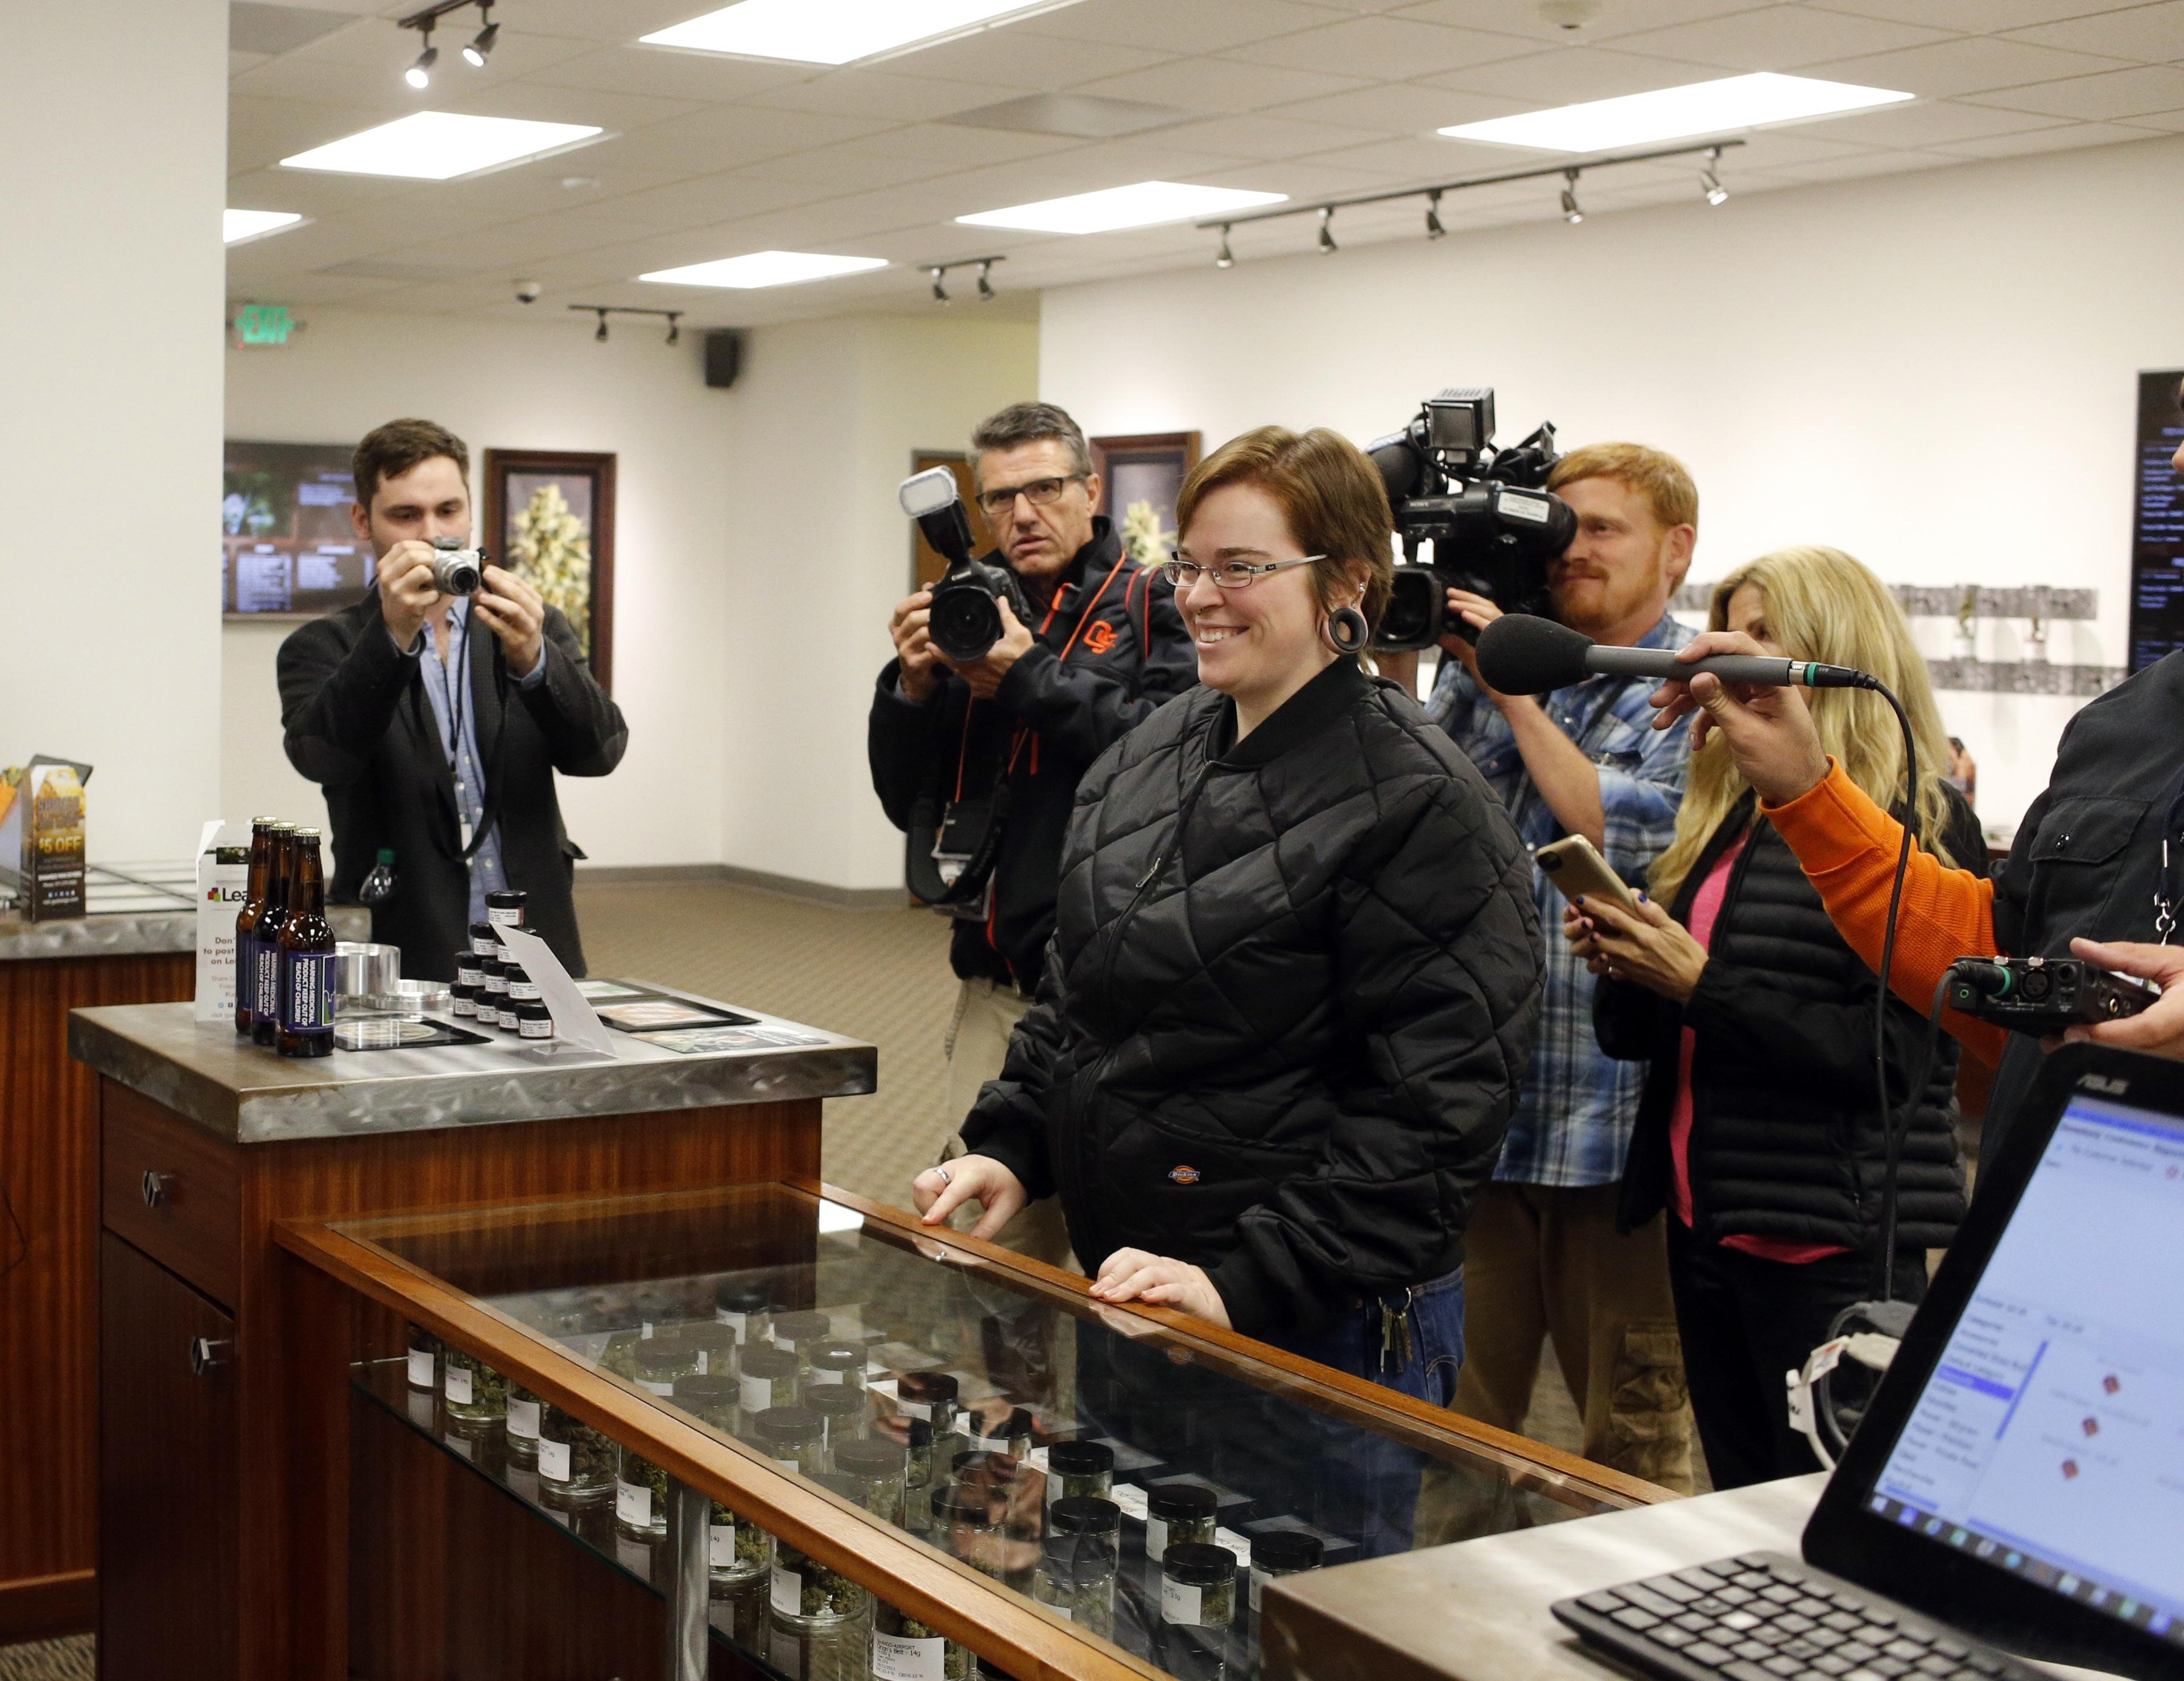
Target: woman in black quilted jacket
x,y
1291,988
1759,1125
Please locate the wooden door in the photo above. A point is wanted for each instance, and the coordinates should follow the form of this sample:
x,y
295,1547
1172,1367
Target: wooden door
x,y
168,1505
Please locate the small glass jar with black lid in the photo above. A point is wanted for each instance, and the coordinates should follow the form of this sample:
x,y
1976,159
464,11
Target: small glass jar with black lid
x,y
1079,1471
745,1309
660,1359
533,1021
712,1397
505,906
524,1411
1283,1552
772,1378
905,1650
794,1437
1178,1513
929,1395
1002,1431
462,999
492,992
715,1346
821,1621
472,1392
878,1466
1197,1607
739,1559
484,942
423,1358
1075,1575
514,983
576,1463
963,1527
799,1333
846,1412
833,1361
640,1497
469,969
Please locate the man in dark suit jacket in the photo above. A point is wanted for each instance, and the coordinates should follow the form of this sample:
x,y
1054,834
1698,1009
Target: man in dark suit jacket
x,y
434,739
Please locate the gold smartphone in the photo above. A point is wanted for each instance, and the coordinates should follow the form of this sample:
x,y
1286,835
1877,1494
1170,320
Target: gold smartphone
x,y
1575,867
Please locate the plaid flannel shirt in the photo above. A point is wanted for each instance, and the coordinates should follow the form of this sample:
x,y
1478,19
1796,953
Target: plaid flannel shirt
x,y
1572,1123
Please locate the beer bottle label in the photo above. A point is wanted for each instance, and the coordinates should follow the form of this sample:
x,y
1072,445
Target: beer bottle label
x,y
307,1000
268,982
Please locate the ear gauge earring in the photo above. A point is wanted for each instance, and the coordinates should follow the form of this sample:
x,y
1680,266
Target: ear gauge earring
x,y
1345,630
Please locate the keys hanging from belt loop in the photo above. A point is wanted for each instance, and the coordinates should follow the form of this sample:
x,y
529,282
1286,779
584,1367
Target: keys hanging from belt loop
x,y
1395,1334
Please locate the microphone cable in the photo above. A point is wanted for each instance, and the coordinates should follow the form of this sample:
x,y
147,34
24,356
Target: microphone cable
x,y
1888,1134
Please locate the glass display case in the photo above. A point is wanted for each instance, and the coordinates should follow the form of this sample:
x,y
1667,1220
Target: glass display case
x,y
838,1445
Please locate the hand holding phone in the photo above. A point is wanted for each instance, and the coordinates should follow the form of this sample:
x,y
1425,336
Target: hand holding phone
x,y
1575,866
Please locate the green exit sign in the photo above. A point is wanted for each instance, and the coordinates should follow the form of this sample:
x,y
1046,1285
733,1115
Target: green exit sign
x,y
263,324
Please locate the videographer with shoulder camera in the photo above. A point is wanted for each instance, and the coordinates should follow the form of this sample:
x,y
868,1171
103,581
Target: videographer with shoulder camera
x,y
977,761
1545,1257
431,740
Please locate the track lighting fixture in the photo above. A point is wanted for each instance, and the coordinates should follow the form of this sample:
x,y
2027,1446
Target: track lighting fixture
x,y
675,327
937,272
673,317
1710,180
1225,258
1327,245
1434,229
986,280
601,335
939,290
1571,213
481,44
419,76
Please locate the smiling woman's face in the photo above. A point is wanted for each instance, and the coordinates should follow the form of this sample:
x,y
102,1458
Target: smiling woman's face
x,y
1260,644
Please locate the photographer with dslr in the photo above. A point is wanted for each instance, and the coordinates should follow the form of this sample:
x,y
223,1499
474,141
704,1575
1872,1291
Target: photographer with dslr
x,y
429,742
1545,1257
977,761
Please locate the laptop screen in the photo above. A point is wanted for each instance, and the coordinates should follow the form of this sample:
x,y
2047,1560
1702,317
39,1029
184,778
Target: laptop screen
x,y
2049,1440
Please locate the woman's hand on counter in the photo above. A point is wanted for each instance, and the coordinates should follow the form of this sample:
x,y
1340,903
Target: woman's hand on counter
x,y
1130,1275
939,1191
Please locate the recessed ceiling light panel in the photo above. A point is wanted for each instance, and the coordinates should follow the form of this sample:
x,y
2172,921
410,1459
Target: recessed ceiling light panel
x,y
1678,113
442,146
1139,205
765,268
237,227
833,31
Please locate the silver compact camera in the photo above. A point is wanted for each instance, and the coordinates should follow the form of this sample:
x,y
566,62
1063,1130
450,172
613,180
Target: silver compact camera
x,y
457,570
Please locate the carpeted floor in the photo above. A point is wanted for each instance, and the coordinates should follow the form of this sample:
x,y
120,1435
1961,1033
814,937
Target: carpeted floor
x,y
881,975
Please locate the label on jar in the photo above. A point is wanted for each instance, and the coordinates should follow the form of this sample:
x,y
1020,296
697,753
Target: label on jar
x,y
554,1461
734,1321
1061,1611
1157,1540
420,1368
1259,1577
1179,1601
504,916
914,1409
723,1555
486,1011
633,1505
524,992
469,974
819,1374
460,1445
705,1368
536,1027
900,1657
486,945
648,1385
634,1557
1237,1544
786,1594
1132,1499
992,1445
789,1466
758,1393
462,1392
462,1003
523,1419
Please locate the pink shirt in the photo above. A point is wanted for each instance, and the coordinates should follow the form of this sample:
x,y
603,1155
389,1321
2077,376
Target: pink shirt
x,y
1705,909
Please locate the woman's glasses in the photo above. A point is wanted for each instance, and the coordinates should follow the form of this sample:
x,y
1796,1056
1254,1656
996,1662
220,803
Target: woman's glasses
x,y
1229,574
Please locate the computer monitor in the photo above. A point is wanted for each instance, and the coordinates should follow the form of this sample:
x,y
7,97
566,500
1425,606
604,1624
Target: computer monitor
x,y
2020,1472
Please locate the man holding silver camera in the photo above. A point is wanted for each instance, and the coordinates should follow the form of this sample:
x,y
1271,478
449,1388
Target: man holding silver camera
x,y
431,742
979,760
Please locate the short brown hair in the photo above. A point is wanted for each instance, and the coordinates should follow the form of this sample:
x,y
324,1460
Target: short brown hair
x,y
1655,474
388,451
1032,423
1330,494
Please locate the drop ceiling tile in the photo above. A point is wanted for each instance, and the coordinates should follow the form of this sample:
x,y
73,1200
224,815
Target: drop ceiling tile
x,y
617,113
1974,64
2167,121
1162,26
1009,60
2068,137
675,75
2116,93
1406,159
2152,34
1404,108
701,200
1213,86
877,94
963,147
1864,164
1927,122
261,133
1265,136
1390,48
624,20
1577,73
1987,17
1304,178
255,27
1767,147
839,168
723,137
1514,17
1779,38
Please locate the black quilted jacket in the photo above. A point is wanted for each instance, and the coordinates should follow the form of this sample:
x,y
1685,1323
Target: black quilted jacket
x,y
1786,1135
1289,998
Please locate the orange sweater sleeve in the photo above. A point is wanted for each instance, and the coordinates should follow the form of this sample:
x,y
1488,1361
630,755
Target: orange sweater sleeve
x,y
1848,847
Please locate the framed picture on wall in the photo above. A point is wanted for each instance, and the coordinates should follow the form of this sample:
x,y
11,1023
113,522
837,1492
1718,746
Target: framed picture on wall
x,y
550,518
1140,477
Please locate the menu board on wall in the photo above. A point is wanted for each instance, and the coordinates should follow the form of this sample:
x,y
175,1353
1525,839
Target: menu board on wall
x,y
287,548
2157,533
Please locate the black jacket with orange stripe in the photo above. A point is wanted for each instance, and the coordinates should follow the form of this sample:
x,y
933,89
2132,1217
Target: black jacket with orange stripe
x,y
1110,651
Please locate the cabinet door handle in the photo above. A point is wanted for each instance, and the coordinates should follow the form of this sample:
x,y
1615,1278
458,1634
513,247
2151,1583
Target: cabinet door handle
x,y
159,1188
208,1352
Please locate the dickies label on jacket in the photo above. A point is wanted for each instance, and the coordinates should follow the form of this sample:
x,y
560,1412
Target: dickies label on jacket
x,y
1184,1175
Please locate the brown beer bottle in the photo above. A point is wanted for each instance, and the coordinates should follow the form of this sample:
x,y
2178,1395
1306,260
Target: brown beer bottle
x,y
306,946
246,920
266,999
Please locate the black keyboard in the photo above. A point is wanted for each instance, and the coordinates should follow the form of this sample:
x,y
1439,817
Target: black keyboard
x,y
1766,1616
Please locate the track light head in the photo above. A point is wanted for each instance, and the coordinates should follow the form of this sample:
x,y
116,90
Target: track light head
x,y
419,76
939,291
674,327
1571,213
1327,245
481,45
601,335
1710,180
1434,229
1225,258
986,281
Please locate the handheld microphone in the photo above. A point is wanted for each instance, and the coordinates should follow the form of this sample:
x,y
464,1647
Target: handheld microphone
x,y
1523,654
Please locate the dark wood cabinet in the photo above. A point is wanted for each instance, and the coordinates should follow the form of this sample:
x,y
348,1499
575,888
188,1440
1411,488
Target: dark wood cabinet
x,y
169,1421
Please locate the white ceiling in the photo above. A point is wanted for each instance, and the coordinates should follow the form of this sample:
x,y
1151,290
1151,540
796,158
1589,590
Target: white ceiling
x,y
711,157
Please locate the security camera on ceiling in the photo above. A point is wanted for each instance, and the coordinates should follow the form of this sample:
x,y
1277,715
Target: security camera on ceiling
x,y
529,291
1571,14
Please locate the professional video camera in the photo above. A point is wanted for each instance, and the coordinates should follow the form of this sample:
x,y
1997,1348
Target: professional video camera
x,y
965,614
1493,524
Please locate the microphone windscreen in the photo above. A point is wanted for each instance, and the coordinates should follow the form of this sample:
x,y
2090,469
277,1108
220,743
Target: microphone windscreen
x,y
1523,654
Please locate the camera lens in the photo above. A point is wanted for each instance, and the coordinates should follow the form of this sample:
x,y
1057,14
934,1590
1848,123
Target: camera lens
x,y
1412,618
966,621
455,572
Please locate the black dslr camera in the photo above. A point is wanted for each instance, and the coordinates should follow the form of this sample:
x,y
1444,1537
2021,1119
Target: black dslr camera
x,y
966,615
1493,524
2042,995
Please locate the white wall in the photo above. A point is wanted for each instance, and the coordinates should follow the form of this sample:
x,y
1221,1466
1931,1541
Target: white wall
x,y
1934,370
757,552
115,136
